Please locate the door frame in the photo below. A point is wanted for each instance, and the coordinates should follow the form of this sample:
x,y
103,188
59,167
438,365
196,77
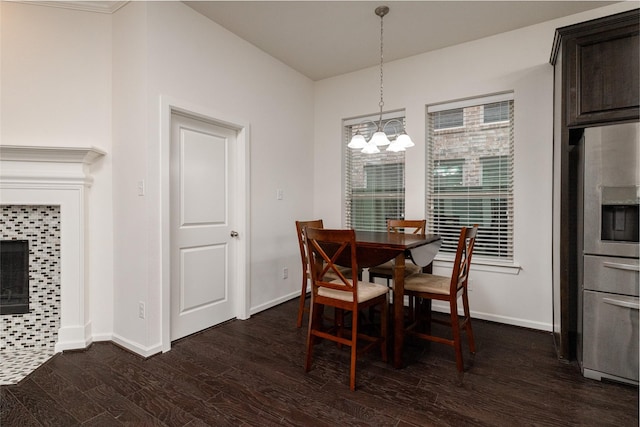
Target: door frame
x,y
168,106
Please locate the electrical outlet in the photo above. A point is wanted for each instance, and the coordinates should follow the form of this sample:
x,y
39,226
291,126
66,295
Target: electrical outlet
x,y
141,312
285,273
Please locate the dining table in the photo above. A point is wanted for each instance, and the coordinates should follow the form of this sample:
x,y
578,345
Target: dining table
x,y
374,248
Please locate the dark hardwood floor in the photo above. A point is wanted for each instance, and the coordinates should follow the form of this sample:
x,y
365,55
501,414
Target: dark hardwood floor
x,y
250,373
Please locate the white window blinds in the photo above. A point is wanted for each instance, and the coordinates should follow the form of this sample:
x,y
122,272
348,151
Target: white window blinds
x,y
470,173
374,183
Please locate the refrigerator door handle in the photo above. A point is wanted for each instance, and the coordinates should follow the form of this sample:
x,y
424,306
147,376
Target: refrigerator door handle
x,y
619,303
619,266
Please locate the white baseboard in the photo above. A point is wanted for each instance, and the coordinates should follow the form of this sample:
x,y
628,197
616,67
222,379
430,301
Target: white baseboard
x,y
71,345
68,340
274,302
514,321
102,337
443,308
137,348
73,338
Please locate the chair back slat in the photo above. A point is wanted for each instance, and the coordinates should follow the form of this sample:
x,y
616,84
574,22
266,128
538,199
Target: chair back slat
x,y
325,246
401,225
302,240
462,263
329,262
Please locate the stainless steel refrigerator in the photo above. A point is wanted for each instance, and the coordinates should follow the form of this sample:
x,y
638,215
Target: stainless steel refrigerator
x,y
609,278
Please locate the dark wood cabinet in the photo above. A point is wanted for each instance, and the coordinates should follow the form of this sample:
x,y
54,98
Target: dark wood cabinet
x,y
596,82
602,73
602,77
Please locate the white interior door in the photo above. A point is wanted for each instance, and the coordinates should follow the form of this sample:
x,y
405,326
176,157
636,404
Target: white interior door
x,y
202,244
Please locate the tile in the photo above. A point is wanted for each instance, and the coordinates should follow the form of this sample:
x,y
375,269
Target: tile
x,y
28,340
17,364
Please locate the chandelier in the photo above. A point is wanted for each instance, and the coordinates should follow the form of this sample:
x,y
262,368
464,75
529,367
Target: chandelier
x,y
402,141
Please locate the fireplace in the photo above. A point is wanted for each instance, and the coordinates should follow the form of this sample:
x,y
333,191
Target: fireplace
x,y
30,253
43,194
14,276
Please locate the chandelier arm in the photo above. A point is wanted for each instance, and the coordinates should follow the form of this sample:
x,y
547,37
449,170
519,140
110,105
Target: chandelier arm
x,y
396,121
368,121
375,125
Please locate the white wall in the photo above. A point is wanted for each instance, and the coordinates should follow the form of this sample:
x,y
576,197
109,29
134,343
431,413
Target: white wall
x,y
516,61
56,91
130,140
205,64
77,78
74,78
165,49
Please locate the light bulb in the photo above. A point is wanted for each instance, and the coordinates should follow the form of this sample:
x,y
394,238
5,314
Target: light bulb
x,y
396,146
405,141
357,141
371,148
380,138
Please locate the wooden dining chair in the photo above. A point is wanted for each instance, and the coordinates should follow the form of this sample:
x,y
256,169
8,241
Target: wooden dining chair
x,y
429,287
385,271
325,247
306,277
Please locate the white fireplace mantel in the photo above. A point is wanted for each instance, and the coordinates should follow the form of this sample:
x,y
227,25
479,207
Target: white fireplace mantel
x,y
25,153
57,176
23,164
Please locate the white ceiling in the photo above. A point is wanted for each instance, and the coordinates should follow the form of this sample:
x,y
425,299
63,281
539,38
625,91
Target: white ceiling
x,y
321,39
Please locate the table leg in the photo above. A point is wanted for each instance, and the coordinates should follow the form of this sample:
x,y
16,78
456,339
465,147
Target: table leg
x,y
398,310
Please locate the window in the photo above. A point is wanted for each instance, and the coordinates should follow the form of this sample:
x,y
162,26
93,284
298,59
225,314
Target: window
x,y
470,175
374,183
448,119
448,174
496,112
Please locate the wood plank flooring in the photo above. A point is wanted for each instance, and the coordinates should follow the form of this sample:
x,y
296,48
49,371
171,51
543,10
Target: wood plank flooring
x,y
250,373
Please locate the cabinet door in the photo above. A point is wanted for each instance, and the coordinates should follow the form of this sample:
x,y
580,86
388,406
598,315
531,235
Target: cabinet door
x,y
604,75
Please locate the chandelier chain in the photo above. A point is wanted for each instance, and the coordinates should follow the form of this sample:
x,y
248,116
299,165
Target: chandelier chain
x,y
401,140
381,103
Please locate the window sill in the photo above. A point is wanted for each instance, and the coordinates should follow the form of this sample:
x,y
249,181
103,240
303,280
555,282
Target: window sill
x,y
480,264
497,125
452,129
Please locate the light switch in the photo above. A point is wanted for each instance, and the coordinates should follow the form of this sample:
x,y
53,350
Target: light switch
x,y
279,194
141,188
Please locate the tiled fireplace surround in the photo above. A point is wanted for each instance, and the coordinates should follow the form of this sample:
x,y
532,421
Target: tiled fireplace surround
x,y
46,187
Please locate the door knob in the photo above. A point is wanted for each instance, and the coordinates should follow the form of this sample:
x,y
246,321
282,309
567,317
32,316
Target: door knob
x,y
233,233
